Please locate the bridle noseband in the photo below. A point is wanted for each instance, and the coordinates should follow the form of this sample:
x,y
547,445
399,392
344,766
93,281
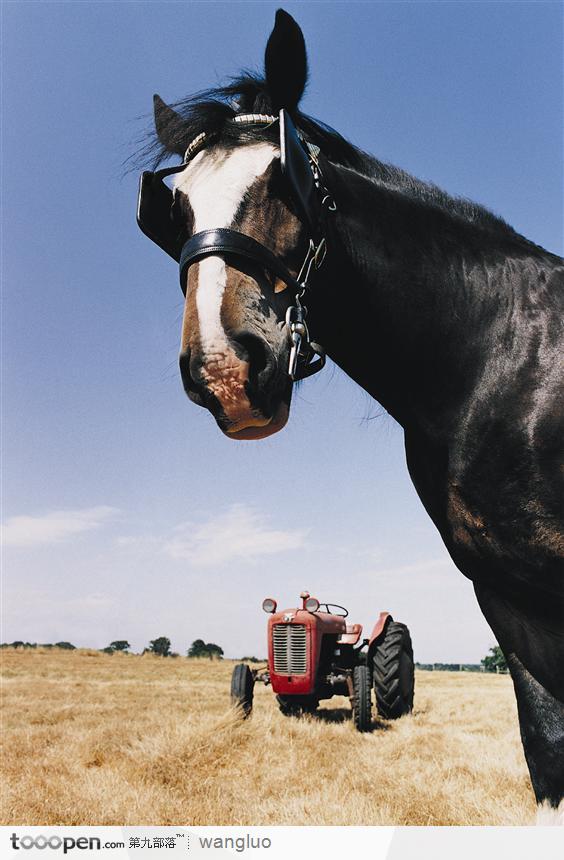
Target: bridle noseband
x,y
300,167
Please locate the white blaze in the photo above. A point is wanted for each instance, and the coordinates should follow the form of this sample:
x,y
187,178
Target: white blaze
x,y
215,184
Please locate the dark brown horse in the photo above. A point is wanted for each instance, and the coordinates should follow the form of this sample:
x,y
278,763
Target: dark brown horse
x,y
437,308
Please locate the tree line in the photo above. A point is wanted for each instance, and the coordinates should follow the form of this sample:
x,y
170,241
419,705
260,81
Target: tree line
x,y
494,661
198,648
18,643
161,646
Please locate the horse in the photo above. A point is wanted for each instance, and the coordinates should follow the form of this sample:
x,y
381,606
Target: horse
x,y
436,307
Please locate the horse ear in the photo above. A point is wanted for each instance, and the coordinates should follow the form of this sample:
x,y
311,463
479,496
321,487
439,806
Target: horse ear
x,y
285,63
170,127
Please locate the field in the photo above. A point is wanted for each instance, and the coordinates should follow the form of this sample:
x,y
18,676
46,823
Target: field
x,y
91,738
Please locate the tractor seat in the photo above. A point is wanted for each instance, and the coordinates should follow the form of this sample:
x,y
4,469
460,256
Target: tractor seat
x,y
351,635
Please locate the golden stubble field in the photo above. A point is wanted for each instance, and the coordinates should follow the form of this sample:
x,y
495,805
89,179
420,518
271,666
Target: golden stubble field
x,y
90,738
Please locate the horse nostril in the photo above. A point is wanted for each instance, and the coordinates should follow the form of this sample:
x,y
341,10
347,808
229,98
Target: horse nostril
x,y
255,351
190,371
184,362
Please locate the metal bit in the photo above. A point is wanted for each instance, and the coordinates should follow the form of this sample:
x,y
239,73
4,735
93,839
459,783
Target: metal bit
x,y
295,319
294,354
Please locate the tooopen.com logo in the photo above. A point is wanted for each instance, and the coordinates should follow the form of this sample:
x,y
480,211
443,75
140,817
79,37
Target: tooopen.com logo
x,y
66,843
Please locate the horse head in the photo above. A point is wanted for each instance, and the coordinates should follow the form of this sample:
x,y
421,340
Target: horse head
x,y
241,217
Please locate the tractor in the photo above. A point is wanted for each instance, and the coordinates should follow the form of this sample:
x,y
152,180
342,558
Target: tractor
x,y
314,654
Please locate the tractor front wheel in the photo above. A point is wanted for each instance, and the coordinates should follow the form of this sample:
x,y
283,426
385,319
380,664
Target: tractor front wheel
x,y
361,703
296,706
393,675
242,688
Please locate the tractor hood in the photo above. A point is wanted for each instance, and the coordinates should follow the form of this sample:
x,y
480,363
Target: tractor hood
x,y
324,621
294,645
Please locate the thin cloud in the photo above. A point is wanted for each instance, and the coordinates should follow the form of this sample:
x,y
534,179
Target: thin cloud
x,y
430,564
22,601
240,533
427,572
54,527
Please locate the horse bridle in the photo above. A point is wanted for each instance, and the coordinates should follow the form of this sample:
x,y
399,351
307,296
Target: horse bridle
x,y
300,166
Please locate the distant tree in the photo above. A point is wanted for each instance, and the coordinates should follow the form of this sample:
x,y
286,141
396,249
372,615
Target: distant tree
x,y
495,661
119,645
252,660
66,645
214,651
107,650
160,646
199,648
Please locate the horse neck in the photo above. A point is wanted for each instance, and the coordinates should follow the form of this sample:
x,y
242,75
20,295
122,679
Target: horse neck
x,y
412,304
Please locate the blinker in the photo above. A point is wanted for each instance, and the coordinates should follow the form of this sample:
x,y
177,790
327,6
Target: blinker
x,y
297,169
154,211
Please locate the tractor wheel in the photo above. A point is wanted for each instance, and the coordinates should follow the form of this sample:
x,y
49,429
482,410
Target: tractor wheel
x,y
242,688
361,699
393,674
296,706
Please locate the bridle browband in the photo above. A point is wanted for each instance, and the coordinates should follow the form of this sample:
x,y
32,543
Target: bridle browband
x,y
300,166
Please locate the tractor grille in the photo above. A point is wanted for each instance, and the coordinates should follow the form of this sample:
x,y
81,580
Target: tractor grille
x,y
290,651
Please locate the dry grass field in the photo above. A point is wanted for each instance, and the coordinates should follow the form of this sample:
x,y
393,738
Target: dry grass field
x,y
92,738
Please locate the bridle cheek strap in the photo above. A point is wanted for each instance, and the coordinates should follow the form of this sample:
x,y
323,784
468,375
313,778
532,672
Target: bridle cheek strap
x,y
222,240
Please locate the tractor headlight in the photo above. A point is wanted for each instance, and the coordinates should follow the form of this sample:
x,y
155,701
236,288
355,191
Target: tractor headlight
x,y
269,605
311,604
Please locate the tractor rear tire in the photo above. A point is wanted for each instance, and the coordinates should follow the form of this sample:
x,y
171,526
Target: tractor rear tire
x,y
297,706
242,689
392,672
361,704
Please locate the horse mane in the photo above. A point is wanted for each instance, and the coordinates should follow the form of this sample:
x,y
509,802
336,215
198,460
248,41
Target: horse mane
x,y
210,110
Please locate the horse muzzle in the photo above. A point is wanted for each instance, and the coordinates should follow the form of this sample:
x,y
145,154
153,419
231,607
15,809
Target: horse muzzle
x,y
241,386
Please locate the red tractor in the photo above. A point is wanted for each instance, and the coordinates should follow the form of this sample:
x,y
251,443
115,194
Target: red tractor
x,y
315,654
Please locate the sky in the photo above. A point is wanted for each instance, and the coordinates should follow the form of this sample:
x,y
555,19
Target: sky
x,y
127,514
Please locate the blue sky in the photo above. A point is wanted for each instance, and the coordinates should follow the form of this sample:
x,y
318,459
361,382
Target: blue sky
x,y
127,513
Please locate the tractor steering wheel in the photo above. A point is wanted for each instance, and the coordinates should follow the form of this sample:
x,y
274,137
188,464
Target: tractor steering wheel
x,y
342,614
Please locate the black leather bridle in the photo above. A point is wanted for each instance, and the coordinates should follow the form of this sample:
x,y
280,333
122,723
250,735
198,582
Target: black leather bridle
x,y
300,167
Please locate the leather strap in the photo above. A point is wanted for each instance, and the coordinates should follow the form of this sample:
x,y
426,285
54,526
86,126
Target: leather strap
x,y
222,240
296,167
